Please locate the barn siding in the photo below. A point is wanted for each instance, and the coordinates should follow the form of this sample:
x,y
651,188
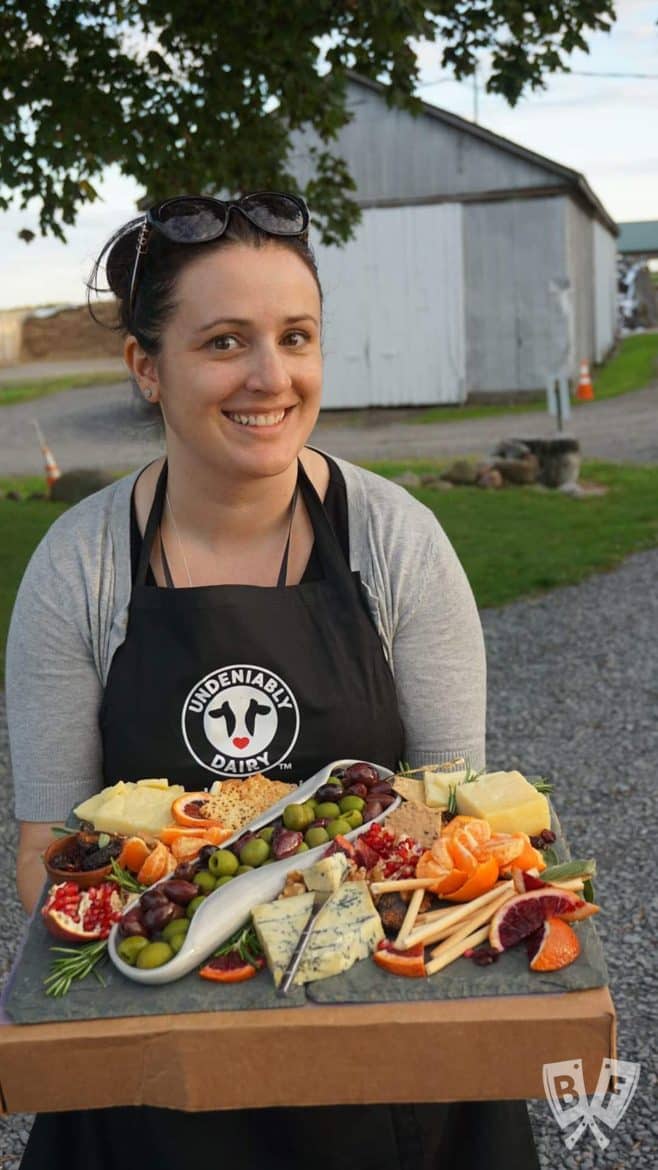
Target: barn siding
x,y
394,310
605,292
580,269
512,253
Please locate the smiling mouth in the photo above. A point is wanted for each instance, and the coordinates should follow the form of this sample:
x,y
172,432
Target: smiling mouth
x,y
271,419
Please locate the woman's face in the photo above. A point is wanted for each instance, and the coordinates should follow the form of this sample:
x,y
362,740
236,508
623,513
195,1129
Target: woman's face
x,y
239,373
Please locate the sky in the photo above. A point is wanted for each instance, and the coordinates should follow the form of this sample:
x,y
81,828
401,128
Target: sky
x,y
601,126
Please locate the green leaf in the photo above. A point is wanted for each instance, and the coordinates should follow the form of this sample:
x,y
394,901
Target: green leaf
x,y
566,870
588,890
103,840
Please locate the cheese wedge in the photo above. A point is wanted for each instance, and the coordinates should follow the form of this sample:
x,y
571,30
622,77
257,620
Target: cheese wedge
x,y
507,801
327,873
348,929
438,785
127,807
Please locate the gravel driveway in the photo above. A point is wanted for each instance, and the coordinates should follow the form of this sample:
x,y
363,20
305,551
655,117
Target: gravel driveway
x,y
573,680
103,427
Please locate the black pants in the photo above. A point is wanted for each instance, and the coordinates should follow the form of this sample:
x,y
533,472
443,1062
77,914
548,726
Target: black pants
x,y
464,1135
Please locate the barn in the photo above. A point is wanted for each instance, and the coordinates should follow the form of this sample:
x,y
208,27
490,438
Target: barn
x,y
480,269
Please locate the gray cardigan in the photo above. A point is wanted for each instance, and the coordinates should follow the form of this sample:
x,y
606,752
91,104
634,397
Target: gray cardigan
x,y
71,615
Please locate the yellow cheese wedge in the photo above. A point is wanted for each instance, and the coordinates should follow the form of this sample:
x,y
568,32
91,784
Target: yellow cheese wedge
x,y
438,785
128,807
507,801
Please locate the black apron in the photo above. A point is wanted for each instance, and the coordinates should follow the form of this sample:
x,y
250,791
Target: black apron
x,y
217,682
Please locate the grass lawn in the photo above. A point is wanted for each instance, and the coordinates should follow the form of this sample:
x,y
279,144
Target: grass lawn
x,y
634,365
12,392
512,543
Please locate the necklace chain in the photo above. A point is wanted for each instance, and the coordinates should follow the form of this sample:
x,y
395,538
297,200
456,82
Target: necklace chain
x,y
180,543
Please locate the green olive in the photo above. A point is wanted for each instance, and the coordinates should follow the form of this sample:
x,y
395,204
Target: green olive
x,y
176,941
354,817
316,836
339,828
205,881
266,834
129,948
223,862
228,877
243,869
302,847
295,817
349,803
176,926
193,906
327,809
155,954
255,852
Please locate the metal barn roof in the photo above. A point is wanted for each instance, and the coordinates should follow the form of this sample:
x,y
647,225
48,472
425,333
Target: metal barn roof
x,y
639,238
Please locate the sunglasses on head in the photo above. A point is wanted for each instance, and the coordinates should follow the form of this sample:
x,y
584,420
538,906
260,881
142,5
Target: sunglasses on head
x,y
197,219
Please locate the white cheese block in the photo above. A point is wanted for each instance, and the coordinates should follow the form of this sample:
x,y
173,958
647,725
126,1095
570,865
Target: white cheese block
x,y
507,801
327,873
438,785
128,807
348,929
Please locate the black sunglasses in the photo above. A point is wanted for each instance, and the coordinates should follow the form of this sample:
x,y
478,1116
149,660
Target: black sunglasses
x,y
197,219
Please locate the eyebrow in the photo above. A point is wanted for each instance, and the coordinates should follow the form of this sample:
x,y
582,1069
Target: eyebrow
x,y
243,321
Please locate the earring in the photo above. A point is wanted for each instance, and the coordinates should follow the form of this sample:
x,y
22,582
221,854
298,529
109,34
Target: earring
x,y
148,392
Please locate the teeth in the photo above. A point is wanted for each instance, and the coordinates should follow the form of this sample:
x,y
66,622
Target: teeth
x,y
258,420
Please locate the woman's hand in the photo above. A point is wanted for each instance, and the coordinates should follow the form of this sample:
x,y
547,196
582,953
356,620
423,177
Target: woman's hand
x,y
30,874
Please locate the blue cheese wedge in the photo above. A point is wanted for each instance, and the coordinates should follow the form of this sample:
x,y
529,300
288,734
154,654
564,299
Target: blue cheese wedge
x,y
348,929
327,873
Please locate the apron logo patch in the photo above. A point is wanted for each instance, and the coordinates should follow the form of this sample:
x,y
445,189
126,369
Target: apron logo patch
x,y
240,719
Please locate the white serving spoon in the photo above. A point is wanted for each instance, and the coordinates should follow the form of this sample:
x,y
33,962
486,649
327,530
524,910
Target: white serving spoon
x,y
226,909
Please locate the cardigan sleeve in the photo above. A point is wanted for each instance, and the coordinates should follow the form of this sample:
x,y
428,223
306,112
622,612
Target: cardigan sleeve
x,y
53,686
438,660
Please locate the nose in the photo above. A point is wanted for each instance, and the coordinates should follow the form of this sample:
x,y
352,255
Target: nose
x,y
268,372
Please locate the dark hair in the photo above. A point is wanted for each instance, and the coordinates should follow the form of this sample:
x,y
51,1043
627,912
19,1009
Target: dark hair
x,y
164,261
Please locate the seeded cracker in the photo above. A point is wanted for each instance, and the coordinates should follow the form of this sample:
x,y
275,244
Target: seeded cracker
x,y
417,821
236,802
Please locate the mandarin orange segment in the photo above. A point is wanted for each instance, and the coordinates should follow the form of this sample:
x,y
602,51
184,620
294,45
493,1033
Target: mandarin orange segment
x,y
458,823
530,858
483,879
214,835
558,946
156,865
134,854
184,848
505,847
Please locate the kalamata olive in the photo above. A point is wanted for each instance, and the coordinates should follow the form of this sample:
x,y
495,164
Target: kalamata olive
x,y
386,799
236,846
132,924
329,792
356,790
361,774
154,897
185,870
205,854
320,823
372,809
158,916
285,842
179,891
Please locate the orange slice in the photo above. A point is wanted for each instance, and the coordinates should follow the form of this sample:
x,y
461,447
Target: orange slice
x,y
134,854
156,865
188,810
184,848
483,878
410,963
213,835
555,947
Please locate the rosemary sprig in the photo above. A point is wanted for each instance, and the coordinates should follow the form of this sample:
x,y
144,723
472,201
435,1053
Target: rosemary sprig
x,y
246,942
77,963
61,831
541,784
125,880
452,800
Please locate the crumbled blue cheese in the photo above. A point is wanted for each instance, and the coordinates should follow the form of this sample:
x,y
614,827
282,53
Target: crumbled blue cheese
x,y
327,873
348,929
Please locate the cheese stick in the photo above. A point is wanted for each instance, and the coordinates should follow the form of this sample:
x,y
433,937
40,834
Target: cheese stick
x,y
434,930
456,950
410,916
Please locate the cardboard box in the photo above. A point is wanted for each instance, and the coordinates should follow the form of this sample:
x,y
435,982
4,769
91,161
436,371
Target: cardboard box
x,y
457,1050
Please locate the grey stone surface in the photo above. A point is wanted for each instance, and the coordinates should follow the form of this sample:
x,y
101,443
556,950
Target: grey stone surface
x,y
573,683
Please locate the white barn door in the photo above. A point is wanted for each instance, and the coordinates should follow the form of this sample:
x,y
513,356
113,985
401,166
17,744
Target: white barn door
x,y
394,310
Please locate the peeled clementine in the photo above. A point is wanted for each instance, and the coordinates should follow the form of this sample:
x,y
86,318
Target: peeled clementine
x,y
134,854
157,864
483,878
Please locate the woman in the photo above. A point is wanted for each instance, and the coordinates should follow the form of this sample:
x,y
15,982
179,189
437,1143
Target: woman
x,y
244,573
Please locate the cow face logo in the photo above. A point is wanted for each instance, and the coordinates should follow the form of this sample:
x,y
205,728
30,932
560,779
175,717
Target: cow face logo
x,y
239,720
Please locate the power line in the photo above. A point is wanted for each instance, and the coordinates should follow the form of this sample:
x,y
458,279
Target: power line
x,y
569,73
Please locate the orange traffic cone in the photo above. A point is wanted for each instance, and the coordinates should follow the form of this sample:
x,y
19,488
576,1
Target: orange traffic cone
x,y
584,390
51,469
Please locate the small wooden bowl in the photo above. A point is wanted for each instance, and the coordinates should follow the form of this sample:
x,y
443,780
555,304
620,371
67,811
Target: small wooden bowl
x,y
83,878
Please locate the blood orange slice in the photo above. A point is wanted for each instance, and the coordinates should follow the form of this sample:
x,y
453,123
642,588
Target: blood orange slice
x,y
553,946
409,963
192,811
522,915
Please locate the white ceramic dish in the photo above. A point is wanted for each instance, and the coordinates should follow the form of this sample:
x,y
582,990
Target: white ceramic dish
x,y
228,908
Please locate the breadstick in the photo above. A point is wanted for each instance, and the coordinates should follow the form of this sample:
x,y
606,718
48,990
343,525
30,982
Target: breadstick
x,y
434,930
410,916
480,918
456,950
395,885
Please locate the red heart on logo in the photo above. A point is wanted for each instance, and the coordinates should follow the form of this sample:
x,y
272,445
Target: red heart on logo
x,y
240,741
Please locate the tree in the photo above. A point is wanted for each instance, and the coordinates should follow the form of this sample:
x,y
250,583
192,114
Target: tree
x,y
207,95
